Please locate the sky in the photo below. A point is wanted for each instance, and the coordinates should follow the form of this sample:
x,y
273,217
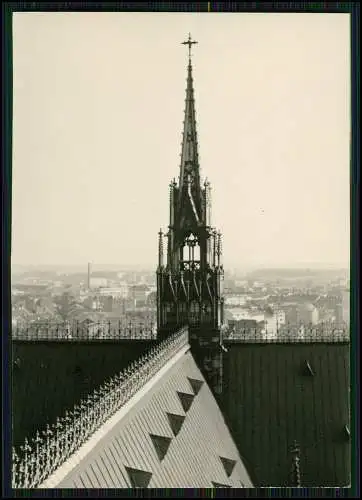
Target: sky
x,y
98,103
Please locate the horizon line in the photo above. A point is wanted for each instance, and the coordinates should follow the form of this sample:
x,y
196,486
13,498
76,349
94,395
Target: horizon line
x,y
306,265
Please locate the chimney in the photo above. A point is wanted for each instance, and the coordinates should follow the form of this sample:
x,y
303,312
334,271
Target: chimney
x,y
89,274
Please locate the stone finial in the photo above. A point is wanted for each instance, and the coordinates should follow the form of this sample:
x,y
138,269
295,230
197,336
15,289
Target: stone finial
x,y
295,451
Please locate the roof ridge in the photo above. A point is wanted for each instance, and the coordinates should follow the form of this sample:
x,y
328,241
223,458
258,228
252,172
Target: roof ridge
x,y
90,414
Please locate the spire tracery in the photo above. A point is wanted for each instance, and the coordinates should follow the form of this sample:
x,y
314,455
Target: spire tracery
x,y
189,152
189,287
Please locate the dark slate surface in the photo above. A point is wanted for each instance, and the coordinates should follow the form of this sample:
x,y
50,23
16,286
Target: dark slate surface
x,y
271,399
50,377
192,458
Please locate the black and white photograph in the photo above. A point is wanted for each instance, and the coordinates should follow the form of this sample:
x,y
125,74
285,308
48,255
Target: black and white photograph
x,y
180,250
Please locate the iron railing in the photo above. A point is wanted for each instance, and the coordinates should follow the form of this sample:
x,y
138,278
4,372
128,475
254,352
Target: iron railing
x,y
38,459
75,330
329,332
146,330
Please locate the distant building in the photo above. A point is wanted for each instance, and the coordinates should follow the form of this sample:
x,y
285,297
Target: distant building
x,y
328,315
308,314
93,303
291,313
296,313
140,303
98,282
235,300
346,306
241,283
33,289
339,313
20,314
280,316
58,284
107,302
273,322
139,294
244,317
116,291
90,316
259,284
45,308
238,313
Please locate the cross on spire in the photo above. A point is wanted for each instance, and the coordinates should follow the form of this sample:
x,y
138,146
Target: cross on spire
x,y
189,42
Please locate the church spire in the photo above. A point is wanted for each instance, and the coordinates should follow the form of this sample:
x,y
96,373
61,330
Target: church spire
x,y
189,286
189,168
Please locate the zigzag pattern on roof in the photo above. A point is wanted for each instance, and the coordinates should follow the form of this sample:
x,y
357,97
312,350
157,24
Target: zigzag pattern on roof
x,y
219,485
121,453
138,478
186,400
195,385
228,464
175,422
31,468
161,444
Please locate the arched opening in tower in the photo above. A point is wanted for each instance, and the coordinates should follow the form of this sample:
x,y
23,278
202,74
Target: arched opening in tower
x,y
190,252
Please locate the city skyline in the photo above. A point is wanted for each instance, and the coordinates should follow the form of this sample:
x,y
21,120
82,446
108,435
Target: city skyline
x,y
98,110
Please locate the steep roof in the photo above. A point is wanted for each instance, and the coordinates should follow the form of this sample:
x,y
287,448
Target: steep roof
x,y
170,433
50,376
280,392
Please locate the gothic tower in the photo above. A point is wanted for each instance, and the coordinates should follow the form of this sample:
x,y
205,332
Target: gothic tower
x,y
189,285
